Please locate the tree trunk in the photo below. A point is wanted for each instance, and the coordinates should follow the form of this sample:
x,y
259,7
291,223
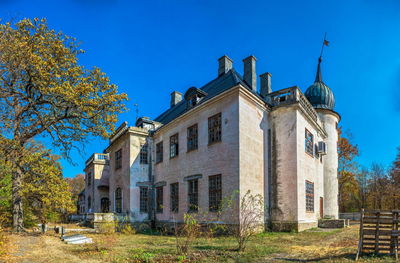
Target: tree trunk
x,y
18,215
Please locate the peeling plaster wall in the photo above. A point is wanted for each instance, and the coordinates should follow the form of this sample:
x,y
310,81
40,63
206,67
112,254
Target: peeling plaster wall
x,y
138,173
284,164
331,205
120,177
309,168
253,134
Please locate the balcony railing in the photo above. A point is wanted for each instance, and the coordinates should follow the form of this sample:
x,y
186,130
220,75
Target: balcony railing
x,y
102,157
290,96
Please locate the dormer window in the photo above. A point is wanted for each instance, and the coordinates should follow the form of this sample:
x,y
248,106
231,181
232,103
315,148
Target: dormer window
x,y
193,96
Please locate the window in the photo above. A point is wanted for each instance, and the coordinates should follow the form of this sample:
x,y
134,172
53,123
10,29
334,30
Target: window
x,y
159,199
192,138
309,196
89,179
143,154
118,159
193,195
175,197
118,200
309,143
214,128
159,152
89,202
173,146
214,192
144,197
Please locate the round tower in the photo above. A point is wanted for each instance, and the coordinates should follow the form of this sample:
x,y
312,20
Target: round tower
x,y
321,98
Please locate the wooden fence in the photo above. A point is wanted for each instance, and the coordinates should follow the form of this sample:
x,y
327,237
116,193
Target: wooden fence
x,y
379,232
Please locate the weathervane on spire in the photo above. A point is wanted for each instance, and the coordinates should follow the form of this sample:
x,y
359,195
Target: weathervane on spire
x,y
325,43
318,77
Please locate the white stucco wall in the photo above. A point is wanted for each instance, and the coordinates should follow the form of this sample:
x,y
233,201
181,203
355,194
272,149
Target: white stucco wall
x,y
253,135
310,168
331,189
138,173
284,161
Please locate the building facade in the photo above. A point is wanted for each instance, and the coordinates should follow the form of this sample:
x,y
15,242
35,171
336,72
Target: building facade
x,y
220,141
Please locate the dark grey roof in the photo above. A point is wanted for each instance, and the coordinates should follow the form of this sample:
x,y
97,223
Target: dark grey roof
x,y
212,89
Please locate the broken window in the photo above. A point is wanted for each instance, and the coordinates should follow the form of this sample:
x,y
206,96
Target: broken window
x,y
174,197
144,197
159,152
192,138
193,195
173,146
159,199
118,159
309,143
118,200
214,128
214,192
143,154
309,196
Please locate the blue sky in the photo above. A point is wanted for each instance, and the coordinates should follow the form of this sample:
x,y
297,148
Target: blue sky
x,y
151,48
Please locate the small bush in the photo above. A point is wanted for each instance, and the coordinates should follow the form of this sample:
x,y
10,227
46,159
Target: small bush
x,y
186,234
107,227
127,229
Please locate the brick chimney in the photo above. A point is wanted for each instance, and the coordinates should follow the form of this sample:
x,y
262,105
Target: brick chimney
x,y
265,84
224,65
176,97
249,73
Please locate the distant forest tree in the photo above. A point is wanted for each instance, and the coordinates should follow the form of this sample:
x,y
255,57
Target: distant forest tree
x,y
76,186
371,188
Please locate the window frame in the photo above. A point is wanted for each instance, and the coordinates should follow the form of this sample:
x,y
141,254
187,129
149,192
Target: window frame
x,y
192,138
309,143
215,128
159,199
193,196
143,199
214,192
143,154
174,145
89,179
118,200
159,152
118,159
174,197
309,197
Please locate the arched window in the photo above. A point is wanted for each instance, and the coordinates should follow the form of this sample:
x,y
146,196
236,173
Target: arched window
x,y
118,200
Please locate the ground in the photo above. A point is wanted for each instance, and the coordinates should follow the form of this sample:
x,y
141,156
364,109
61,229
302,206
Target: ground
x,y
309,246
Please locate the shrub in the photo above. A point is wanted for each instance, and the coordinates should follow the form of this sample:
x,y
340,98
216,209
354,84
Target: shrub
x,y
186,234
107,227
127,229
251,215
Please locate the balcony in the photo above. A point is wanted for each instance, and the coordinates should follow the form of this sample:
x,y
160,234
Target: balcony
x,y
290,96
100,158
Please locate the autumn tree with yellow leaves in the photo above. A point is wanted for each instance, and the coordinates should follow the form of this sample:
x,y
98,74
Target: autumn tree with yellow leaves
x,y
44,91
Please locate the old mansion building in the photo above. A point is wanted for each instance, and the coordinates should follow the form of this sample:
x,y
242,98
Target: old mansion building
x,y
228,136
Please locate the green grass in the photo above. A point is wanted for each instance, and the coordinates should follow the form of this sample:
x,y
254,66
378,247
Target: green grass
x,y
308,246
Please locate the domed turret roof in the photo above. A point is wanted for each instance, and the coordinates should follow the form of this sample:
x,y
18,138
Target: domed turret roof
x,y
319,94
